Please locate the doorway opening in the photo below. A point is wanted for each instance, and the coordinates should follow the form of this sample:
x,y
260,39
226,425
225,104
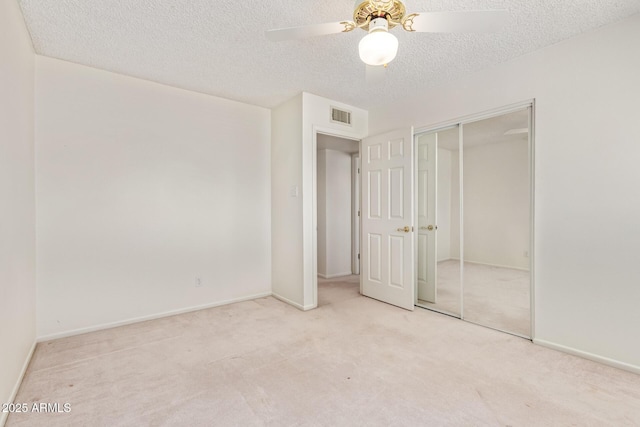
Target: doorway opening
x,y
338,221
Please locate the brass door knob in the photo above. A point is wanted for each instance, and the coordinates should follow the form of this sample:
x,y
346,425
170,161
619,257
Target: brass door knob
x,y
405,229
429,227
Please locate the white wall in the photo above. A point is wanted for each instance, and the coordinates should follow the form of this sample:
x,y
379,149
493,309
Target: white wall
x,y
334,213
355,211
496,203
587,233
17,200
444,204
286,201
141,188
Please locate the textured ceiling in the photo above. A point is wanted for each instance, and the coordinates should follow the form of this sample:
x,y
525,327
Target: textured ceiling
x,y
220,48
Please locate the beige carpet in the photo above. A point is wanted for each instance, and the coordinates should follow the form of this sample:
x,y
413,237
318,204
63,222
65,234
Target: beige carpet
x,y
353,361
493,296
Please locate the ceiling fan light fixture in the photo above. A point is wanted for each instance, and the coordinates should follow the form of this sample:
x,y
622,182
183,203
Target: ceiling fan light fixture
x,y
379,47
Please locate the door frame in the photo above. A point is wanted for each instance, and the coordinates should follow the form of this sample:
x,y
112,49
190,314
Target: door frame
x,y
530,103
314,197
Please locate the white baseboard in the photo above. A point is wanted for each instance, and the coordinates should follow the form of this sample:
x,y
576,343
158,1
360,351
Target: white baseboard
x,y
293,303
150,317
333,276
288,301
5,415
586,355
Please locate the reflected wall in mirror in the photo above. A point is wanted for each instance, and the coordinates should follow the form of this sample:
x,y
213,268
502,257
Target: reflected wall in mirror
x,y
496,224
438,214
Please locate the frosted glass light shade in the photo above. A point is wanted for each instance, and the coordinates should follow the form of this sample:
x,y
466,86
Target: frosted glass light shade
x,y
379,47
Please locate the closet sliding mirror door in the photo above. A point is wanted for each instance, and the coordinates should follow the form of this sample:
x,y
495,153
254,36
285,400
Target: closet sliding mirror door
x,y
496,222
439,286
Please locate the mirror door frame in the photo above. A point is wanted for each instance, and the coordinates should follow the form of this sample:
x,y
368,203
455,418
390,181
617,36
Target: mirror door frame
x,y
531,147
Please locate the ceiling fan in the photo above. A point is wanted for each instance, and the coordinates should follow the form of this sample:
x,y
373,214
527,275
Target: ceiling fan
x,y
377,17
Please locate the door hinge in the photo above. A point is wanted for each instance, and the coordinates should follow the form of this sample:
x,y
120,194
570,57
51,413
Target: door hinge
x,y
358,256
358,213
358,170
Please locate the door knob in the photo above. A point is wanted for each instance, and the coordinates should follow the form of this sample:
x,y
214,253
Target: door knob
x,y
429,227
405,229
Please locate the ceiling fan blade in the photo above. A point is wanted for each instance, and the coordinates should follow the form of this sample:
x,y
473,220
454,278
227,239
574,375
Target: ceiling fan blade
x,y
517,131
453,22
293,33
375,75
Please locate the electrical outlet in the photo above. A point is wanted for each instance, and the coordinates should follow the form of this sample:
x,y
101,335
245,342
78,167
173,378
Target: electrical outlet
x,y
198,282
526,254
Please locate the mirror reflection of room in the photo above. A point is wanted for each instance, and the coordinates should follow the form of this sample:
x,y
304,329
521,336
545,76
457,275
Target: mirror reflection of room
x,y
492,287
439,285
496,194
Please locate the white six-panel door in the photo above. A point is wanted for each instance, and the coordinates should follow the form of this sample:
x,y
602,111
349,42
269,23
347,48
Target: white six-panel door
x,y
387,251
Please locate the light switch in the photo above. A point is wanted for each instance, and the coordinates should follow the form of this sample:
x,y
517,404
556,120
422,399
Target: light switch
x,y
294,191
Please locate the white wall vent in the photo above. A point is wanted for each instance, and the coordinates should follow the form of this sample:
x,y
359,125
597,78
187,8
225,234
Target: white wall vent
x,y
340,116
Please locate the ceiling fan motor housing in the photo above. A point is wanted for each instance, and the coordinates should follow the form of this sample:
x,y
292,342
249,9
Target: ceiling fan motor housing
x,y
367,11
378,24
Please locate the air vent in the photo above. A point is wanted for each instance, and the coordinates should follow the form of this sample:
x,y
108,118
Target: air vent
x,y
340,116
